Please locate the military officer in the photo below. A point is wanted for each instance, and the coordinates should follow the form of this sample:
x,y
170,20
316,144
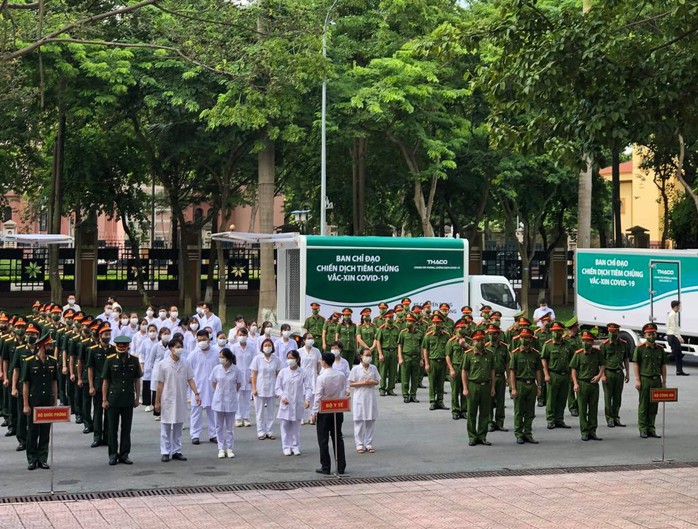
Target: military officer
x,y
52,323
409,358
96,360
448,324
500,361
587,366
386,342
616,354
556,368
366,332
513,333
380,319
574,343
40,381
314,323
17,326
434,353
329,330
4,395
82,356
20,354
72,343
478,387
455,347
121,393
525,379
346,333
650,373
541,335
485,313
465,311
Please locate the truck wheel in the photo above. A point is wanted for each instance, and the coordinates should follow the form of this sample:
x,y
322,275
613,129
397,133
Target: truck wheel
x,y
631,340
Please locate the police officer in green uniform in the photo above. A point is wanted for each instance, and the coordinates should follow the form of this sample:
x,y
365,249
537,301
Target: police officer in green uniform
x,y
500,361
616,354
121,393
650,373
587,367
409,358
541,335
329,330
96,360
556,368
380,319
314,323
513,333
21,353
434,353
386,342
40,382
346,333
574,343
524,380
455,348
366,332
478,387
448,323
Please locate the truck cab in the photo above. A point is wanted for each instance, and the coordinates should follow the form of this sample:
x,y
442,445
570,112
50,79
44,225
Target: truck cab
x,y
495,291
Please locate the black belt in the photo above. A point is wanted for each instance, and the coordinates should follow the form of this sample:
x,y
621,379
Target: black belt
x,y
587,380
559,372
526,380
480,383
389,348
614,369
650,376
437,359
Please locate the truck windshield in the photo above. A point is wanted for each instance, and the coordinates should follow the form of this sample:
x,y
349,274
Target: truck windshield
x,y
499,294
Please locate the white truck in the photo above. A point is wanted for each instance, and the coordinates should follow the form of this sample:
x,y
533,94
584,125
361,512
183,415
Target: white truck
x,y
633,287
358,272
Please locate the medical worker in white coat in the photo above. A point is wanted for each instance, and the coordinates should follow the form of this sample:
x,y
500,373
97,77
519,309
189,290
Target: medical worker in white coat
x,y
265,368
294,389
149,387
363,380
225,380
159,351
284,344
203,360
244,352
340,364
310,364
174,376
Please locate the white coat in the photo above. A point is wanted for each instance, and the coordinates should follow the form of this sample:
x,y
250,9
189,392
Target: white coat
x,y
294,385
189,341
310,361
175,376
243,359
146,350
157,353
225,396
202,365
364,403
267,370
136,342
343,367
281,348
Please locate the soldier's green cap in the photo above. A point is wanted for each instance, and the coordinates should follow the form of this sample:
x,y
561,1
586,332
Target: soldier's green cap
x,y
122,340
572,322
517,315
45,339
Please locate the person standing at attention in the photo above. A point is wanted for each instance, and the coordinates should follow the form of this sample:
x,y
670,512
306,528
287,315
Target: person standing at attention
x,y
363,379
673,334
330,384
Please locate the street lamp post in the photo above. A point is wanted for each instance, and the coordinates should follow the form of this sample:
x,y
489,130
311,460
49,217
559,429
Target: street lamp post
x,y
323,119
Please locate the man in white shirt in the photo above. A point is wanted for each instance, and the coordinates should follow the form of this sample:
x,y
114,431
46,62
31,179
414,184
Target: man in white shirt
x,y
330,384
203,360
673,334
71,304
107,315
541,311
208,319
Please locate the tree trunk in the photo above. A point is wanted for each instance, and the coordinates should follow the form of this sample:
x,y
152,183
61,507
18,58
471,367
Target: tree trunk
x,y
267,281
615,199
212,258
584,211
222,276
353,152
361,191
56,204
136,251
679,171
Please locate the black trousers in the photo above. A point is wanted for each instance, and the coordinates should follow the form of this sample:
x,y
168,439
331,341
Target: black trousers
x,y
325,431
676,351
119,446
147,401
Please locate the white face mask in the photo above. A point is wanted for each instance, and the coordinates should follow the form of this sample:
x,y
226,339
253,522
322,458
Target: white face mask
x,y
174,314
149,313
267,331
124,321
366,359
267,351
309,342
253,329
239,324
223,361
71,302
204,346
286,334
194,326
177,352
144,328
162,315
134,321
336,352
152,335
242,340
165,338
291,362
107,312
222,342
199,311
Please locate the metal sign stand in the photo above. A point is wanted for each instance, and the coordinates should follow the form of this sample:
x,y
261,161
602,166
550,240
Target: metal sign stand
x,y
341,405
663,459
51,421
50,450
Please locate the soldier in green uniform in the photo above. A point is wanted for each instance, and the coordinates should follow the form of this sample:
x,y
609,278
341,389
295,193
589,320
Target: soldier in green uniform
x,y
64,345
4,394
367,332
96,360
650,373
448,324
465,311
380,319
19,356
82,355
455,347
386,342
121,393
329,330
541,335
587,366
524,380
17,328
434,353
500,361
615,352
556,368
52,323
346,333
574,343
478,387
40,388
72,341
485,313
409,356
513,333
314,323
400,315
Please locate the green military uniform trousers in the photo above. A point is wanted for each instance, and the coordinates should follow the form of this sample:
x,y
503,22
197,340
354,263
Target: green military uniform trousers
x,y
588,401
38,436
524,407
497,408
100,420
459,402
558,389
22,421
437,376
479,409
612,393
410,374
388,369
119,447
646,410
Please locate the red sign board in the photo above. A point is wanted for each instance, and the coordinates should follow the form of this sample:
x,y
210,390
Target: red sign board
x,y
338,405
48,414
664,395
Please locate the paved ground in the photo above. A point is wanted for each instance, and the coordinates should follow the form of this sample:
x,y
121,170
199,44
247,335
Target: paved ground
x,y
409,440
652,499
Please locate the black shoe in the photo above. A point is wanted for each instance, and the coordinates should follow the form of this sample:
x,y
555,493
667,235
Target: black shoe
x,y
113,461
432,407
551,426
585,437
194,441
574,413
179,456
10,433
422,386
594,438
43,465
95,444
32,466
406,400
643,435
414,399
21,447
472,443
322,471
4,423
654,434
87,429
485,442
611,424
541,403
392,393
491,428
519,441
456,416
441,406
78,419
382,393
531,440
618,423
683,374
212,440
165,458
502,429
125,460
563,425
